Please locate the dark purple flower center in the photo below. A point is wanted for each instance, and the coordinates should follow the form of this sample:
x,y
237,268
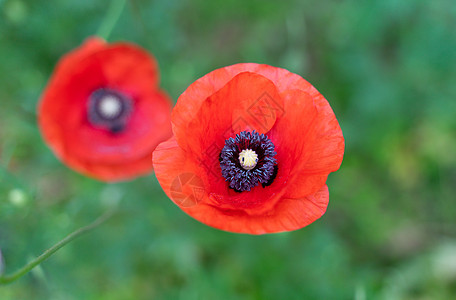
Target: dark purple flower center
x,y
109,109
248,160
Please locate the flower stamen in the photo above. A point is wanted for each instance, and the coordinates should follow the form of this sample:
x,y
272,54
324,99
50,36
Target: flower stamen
x,y
248,160
109,109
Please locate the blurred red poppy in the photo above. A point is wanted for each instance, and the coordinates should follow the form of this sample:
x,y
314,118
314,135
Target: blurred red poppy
x,y
252,148
102,111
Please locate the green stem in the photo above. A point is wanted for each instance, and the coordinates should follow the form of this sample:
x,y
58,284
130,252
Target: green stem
x,y
112,16
46,254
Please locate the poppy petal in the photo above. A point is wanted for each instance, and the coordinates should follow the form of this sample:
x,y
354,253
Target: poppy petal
x,y
64,108
328,149
191,99
171,165
288,214
299,155
322,156
113,171
73,58
237,106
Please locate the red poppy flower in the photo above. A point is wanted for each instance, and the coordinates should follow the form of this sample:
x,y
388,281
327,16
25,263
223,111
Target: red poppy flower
x,y
252,148
102,112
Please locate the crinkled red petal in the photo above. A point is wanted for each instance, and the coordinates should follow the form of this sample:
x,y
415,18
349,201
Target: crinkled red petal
x,y
172,165
288,214
309,143
238,106
191,99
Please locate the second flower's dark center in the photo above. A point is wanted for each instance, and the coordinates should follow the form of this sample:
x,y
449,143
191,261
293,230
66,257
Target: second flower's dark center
x,y
109,109
248,160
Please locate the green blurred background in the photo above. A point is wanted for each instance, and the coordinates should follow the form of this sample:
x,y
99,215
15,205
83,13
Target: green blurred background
x,y
388,69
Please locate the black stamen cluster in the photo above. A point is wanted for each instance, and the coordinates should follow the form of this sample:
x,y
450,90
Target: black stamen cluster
x,y
239,178
115,123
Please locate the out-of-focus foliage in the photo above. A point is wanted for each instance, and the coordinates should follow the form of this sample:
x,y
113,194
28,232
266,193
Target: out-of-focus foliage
x,y
388,68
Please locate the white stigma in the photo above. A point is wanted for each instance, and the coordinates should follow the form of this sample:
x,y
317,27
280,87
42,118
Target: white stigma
x,y
109,106
248,159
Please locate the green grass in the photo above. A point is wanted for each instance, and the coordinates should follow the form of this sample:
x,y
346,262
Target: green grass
x,y
386,67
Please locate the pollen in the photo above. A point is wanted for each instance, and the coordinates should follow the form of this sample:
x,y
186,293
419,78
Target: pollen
x,y
109,106
248,159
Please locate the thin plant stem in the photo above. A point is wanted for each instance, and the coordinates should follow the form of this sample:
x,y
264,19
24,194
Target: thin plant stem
x,y
5,279
111,18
